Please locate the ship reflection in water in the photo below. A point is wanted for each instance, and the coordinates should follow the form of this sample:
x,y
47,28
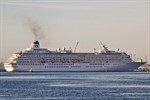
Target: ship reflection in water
x,y
75,86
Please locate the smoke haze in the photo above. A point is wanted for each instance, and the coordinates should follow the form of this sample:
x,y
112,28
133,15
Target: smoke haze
x,y
37,31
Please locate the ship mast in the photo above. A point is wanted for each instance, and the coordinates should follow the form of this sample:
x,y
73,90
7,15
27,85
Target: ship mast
x,y
76,47
104,46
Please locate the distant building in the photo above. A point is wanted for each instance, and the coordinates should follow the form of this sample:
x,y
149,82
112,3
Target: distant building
x,y
145,67
2,67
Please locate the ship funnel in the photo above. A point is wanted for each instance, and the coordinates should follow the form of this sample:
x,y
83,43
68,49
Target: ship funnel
x,y
36,45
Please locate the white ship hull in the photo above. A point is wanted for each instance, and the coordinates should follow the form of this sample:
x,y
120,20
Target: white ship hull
x,y
117,67
41,59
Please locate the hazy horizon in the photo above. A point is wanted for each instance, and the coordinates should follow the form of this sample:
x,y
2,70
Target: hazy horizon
x,y
122,24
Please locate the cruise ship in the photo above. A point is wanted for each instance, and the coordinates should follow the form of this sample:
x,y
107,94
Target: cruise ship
x,y
41,59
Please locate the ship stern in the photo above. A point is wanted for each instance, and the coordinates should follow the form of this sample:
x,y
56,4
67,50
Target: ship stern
x,y
8,67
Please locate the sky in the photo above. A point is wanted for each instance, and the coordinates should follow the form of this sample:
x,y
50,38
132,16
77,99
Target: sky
x,y
123,24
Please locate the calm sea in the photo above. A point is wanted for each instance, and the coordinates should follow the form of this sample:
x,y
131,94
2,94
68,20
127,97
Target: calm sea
x,y
75,86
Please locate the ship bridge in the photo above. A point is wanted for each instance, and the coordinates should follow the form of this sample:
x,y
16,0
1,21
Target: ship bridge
x,y
109,52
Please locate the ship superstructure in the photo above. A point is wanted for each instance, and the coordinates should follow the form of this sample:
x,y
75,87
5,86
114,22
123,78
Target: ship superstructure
x,y
42,59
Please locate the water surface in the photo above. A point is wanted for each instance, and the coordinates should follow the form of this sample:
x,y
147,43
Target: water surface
x,y
74,86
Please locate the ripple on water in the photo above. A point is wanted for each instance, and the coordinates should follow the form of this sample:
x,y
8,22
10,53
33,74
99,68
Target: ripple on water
x,y
74,86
